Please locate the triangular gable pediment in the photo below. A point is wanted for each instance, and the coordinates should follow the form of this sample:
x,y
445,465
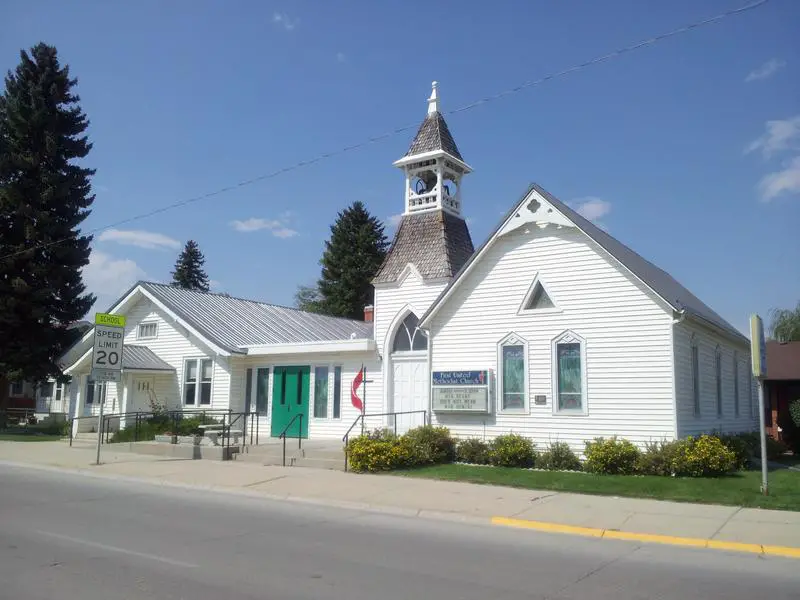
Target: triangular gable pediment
x,y
535,210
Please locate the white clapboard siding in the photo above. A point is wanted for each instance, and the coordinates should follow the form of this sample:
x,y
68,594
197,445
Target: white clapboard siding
x,y
173,344
708,420
627,332
412,293
318,428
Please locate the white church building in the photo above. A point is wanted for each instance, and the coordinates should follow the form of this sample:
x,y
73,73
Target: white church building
x,y
552,329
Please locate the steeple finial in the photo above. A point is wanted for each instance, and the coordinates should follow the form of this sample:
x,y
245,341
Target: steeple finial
x,y
433,101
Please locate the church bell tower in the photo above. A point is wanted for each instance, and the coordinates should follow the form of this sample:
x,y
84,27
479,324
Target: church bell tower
x,y
432,235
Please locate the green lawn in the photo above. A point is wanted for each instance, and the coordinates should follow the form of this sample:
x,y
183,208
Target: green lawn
x,y
28,437
741,489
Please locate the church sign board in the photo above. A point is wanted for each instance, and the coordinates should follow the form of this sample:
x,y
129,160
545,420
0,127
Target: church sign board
x,y
460,392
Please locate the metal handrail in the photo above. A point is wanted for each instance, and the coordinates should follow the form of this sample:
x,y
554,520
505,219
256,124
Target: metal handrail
x,y
228,418
362,416
299,434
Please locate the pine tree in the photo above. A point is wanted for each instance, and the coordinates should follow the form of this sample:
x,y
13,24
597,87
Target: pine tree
x,y
44,197
352,256
189,273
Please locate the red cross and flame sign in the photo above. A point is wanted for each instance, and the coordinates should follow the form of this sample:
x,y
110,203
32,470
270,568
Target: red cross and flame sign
x,y
358,380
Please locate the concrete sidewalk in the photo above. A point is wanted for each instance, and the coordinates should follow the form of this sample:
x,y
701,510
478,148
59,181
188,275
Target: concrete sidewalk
x,y
724,527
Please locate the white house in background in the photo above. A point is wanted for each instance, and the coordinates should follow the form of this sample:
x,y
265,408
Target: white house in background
x,y
552,329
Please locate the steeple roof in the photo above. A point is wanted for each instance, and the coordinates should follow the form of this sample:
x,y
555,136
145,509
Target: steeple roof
x,y
433,135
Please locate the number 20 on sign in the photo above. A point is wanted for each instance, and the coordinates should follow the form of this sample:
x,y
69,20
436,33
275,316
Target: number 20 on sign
x,y
109,332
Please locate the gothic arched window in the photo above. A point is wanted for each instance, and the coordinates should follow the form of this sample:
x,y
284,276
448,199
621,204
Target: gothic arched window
x,y
409,336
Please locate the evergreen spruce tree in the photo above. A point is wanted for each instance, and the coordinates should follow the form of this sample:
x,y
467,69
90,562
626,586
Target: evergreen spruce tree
x,y
352,256
189,273
44,197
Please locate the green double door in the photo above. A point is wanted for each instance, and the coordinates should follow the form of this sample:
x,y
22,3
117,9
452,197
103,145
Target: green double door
x,y
290,391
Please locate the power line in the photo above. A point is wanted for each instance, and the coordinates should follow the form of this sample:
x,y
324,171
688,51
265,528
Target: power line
x,y
579,67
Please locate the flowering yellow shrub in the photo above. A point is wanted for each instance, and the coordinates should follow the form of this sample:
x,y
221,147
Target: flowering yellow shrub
x,y
705,456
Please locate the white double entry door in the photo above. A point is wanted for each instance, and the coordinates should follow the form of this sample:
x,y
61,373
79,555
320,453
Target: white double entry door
x,y
409,390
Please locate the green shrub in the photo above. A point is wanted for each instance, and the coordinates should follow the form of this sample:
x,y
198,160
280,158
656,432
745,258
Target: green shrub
x,y
473,451
794,411
374,453
512,450
705,456
741,446
558,457
160,424
611,456
658,458
430,445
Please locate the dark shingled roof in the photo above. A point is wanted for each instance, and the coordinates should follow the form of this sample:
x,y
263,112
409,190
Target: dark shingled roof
x,y
434,134
435,242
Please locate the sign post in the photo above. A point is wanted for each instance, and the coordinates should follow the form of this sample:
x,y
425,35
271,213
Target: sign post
x,y
109,334
758,354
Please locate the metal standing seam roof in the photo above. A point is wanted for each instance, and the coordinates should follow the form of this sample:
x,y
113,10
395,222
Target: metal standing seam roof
x,y
232,323
661,282
435,242
141,358
433,134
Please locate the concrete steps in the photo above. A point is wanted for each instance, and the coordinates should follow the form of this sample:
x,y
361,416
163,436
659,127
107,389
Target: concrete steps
x,y
317,456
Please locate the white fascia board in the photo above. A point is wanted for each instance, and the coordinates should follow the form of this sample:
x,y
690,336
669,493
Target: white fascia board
x,y
358,345
406,160
219,351
122,302
78,363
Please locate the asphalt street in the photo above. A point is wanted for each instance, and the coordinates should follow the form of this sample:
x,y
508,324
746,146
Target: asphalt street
x,y
67,536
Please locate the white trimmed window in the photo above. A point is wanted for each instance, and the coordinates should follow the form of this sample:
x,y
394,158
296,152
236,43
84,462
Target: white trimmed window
x,y
16,389
538,298
512,358
409,337
197,374
569,374
262,390
718,378
695,376
147,331
321,392
337,392
736,383
95,392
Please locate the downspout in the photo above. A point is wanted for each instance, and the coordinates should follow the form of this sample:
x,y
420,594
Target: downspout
x,y
430,374
676,320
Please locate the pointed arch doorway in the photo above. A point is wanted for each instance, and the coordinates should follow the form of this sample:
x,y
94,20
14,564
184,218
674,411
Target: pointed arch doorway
x,y
409,391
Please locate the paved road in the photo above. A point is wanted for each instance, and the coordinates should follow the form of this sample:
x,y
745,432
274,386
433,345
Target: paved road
x,y
76,537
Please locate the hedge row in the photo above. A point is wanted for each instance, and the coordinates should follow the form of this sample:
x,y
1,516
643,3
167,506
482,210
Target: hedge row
x,y
703,456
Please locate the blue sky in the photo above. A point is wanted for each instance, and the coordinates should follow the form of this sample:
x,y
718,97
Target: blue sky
x,y
687,151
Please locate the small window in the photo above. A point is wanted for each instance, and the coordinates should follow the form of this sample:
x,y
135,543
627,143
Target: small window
x,y
46,389
569,385
537,297
262,390
409,337
59,392
320,392
197,381
206,370
147,331
695,377
337,392
718,378
736,383
17,388
95,392
512,374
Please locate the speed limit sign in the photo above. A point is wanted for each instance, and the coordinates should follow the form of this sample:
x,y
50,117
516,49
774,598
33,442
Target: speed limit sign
x,y
109,333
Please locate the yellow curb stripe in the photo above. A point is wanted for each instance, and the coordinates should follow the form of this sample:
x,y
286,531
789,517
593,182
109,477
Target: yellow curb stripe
x,y
655,538
785,551
551,527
